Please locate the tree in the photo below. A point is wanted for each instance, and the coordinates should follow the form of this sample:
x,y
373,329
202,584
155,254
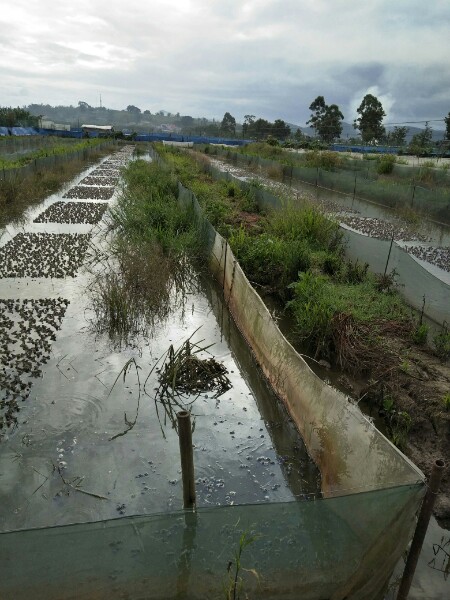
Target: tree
x,y
187,121
326,120
13,117
84,105
422,143
280,129
397,137
447,127
248,122
370,119
133,109
228,125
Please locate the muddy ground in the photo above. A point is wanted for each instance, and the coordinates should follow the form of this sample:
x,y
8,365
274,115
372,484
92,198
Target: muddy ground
x,y
420,380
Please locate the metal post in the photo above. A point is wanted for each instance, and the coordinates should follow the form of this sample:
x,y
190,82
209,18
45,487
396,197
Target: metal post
x,y
187,457
354,192
389,253
413,194
421,529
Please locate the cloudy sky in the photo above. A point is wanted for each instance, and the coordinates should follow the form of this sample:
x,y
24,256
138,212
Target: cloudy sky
x,y
269,58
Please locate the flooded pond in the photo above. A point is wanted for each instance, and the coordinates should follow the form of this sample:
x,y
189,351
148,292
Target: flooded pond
x,y
59,464
69,459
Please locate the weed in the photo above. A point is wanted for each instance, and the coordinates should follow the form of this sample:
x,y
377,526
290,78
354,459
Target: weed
x,y
386,282
400,424
354,272
386,164
446,401
442,343
420,334
275,172
329,161
235,582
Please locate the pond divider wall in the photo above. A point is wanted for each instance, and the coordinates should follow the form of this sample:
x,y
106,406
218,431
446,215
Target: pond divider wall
x,y
342,545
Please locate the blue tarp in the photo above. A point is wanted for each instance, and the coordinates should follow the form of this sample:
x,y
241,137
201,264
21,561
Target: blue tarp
x,y
196,139
365,149
4,131
23,131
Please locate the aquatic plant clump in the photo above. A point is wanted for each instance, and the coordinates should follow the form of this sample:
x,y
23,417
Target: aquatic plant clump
x,y
183,375
73,212
27,330
43,255
184,372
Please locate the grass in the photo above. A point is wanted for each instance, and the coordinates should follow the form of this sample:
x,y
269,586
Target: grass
x,y
340,311
153,247
17,193
345,321
58,149
376,180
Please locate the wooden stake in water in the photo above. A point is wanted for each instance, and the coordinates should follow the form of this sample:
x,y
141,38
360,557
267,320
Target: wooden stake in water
x,y
187,457
421,529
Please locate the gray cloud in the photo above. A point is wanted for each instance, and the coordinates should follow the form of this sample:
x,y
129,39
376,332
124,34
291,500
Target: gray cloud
x,y
270,58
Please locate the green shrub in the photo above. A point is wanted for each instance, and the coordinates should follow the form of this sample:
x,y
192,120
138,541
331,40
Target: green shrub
x,y
386,164
270,261
420,334
442,343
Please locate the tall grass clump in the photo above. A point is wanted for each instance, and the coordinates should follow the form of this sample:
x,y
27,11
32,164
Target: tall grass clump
x,y
346,322
154,247
18,193
288,241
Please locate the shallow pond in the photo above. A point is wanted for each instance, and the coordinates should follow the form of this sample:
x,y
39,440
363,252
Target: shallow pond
x,y
60,464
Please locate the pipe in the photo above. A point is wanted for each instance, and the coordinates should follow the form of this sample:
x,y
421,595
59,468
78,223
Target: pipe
x,y
421,529
187,457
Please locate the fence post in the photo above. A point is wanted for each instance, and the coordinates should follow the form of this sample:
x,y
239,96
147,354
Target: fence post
x,y
389,253
421,529
413,193
187,457
354,192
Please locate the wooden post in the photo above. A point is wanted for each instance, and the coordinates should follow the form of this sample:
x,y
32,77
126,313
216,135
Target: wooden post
x,y
421,529
187,457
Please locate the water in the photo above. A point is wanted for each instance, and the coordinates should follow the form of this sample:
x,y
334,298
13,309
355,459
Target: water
x,y
60,465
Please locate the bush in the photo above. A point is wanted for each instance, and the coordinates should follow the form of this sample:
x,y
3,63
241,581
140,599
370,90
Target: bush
x,y
442,343
420,334
386,164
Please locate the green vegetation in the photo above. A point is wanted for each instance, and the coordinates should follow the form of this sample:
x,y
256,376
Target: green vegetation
x,y
153,249
11,117
18,192
235,583
326,120
223,202
386,164
341,312
446,401
345,321
377,178
62,147
370,119
442,343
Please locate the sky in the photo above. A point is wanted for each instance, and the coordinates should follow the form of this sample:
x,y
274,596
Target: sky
x,y
269,58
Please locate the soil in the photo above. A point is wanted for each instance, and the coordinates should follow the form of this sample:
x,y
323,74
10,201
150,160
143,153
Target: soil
x,y
418,382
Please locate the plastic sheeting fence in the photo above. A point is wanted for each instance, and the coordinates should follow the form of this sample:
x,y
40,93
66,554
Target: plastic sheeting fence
x,y
361,183
309,550
342,545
